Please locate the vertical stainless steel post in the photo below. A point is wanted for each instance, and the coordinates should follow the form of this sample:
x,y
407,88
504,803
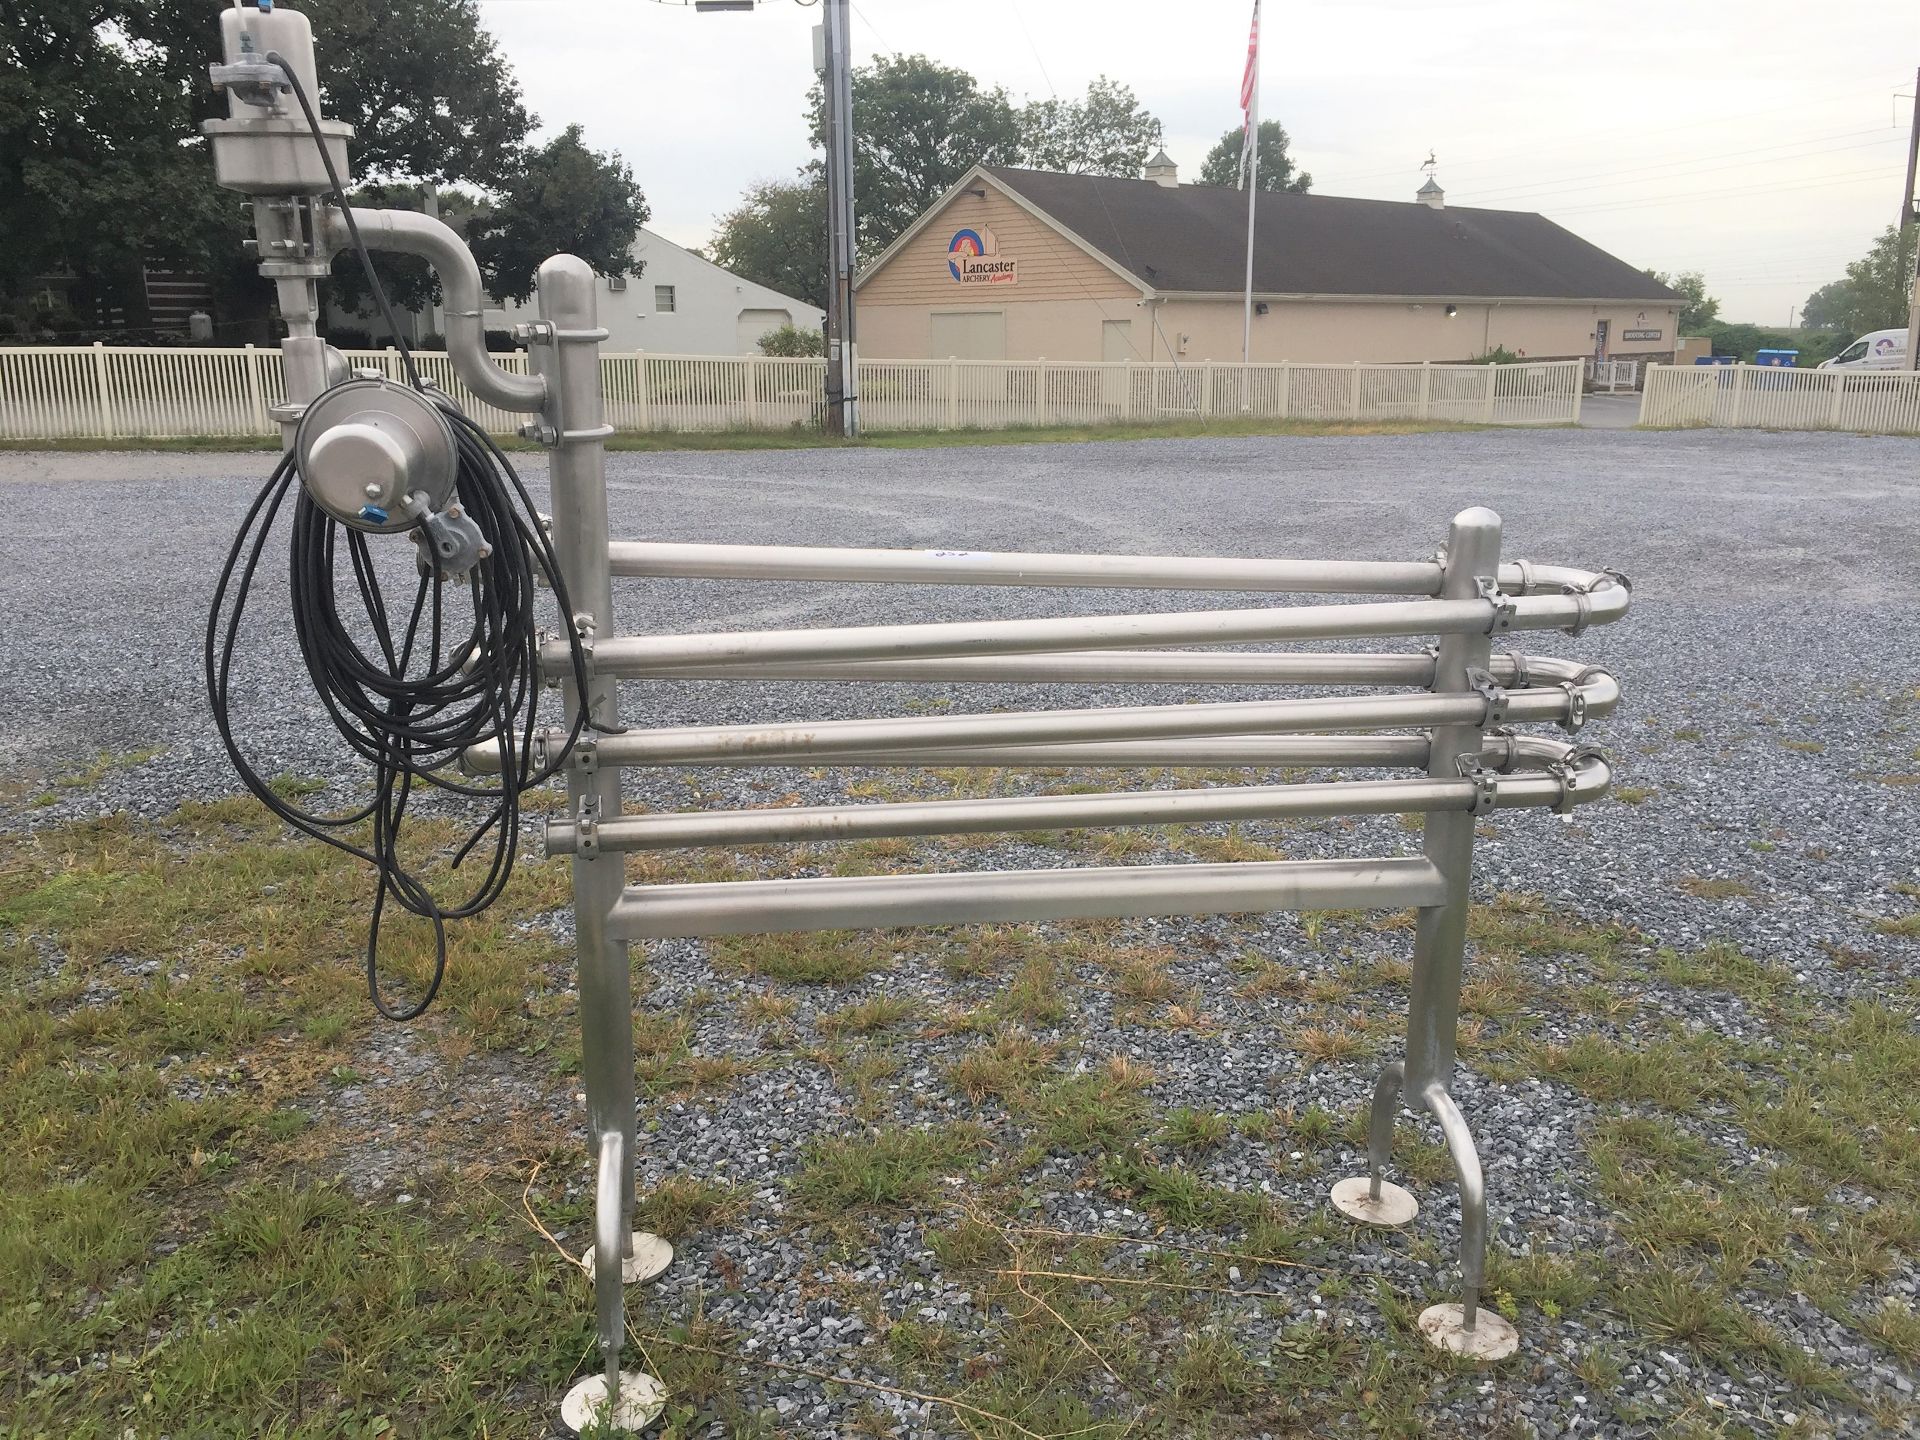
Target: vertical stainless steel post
x,y
565,349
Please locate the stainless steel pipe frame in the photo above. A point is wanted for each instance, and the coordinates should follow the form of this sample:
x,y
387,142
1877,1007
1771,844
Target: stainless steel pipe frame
x,y
1462,699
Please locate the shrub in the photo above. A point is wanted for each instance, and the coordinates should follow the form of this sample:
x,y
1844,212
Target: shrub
x,y
791,340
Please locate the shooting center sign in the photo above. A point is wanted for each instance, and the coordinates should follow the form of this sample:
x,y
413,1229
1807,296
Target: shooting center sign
x,y
974,258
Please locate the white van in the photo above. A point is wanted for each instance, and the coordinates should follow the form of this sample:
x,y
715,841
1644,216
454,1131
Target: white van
x,y
1882,350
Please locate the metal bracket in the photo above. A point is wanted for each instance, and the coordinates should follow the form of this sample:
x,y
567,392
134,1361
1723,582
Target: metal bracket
x,y
1581,604
1502,620
533,332
540,433
1504,740
1485,787
1483,685
1525,567
1576,715
583,757
586,826
1522,674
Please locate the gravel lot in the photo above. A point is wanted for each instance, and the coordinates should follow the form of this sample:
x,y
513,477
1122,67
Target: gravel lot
x,y
1770,673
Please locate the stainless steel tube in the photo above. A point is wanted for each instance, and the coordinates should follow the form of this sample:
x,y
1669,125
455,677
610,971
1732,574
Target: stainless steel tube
x,y
830,739
638,656
988,567
1132,572
569,366
1047,812
1302,751
1075,667
407,232
760,907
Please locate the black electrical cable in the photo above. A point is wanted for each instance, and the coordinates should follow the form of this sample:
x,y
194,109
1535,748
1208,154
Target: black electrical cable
x,y
418,699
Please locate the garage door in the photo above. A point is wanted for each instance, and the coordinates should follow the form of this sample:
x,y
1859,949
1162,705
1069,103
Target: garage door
x,y
968,335
752,324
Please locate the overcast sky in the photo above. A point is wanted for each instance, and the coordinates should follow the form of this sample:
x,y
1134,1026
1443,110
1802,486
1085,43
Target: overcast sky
x,y
1761,142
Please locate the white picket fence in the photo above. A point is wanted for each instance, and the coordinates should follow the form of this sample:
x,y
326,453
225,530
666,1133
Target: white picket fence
x,y
1875,402
1612,376
107,392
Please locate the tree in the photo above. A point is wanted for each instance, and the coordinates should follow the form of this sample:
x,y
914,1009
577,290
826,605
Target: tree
x,y
1701,309
1879,285
103,171
918,126
777,236
95,98
430,96
1107,133
1222,165
1827,308
562,196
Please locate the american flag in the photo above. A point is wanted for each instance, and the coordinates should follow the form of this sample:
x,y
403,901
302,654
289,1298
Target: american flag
x,y
1249,86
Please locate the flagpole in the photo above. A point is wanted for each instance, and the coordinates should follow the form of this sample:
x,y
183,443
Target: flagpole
x,y
1253,191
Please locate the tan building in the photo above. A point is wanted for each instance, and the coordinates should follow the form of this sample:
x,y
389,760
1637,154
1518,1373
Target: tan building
x,y
1029,264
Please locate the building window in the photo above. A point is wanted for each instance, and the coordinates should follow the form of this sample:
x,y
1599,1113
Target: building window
x,y
663,299
617,284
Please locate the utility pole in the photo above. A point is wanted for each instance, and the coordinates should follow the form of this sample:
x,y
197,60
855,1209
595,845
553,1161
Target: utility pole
x,y
843,409
1907,219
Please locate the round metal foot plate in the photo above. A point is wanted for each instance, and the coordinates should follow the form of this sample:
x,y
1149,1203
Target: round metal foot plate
x,y
642,1398
650,1256
1353,1198
1491,1337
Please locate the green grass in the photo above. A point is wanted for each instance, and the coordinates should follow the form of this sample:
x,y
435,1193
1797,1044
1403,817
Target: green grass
x,y
892,1171
171,1204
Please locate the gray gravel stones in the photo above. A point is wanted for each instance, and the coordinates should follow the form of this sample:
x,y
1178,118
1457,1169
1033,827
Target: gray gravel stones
x,y
1771,713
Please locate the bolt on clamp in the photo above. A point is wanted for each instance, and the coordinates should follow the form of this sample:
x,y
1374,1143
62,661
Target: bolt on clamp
x,y
1485,787
1490,691
1503,606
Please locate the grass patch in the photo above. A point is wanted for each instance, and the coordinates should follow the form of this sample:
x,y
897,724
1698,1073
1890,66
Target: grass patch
x,y
894,1170
1703,887
819,957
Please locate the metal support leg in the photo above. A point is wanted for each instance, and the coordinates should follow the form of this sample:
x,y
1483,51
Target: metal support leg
x,y
616,1399
566,351
1464,1328
1371,1199
1472,557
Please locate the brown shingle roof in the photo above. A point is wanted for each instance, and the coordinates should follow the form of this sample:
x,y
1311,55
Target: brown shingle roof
x,y
1184,238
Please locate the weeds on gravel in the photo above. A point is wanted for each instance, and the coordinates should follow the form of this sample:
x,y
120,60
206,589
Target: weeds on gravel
x,y
822,957
894,1170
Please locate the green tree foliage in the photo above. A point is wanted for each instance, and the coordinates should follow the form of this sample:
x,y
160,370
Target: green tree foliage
x,y
429,94
103,171
1701,308
1277,171
1107,132
1876,291
918,127
95,97
562,196
777,236
793,340
1826,308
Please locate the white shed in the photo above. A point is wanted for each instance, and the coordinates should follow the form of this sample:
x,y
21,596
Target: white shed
x,y
680,304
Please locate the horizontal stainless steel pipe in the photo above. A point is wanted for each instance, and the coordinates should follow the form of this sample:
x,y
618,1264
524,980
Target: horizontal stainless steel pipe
x,y
761,907
1304,751
988,567
1140,667
831,739
640,655
1072,812
1132,572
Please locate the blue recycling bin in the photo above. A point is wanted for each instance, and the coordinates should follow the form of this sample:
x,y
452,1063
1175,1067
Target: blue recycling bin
x,y
1776,357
